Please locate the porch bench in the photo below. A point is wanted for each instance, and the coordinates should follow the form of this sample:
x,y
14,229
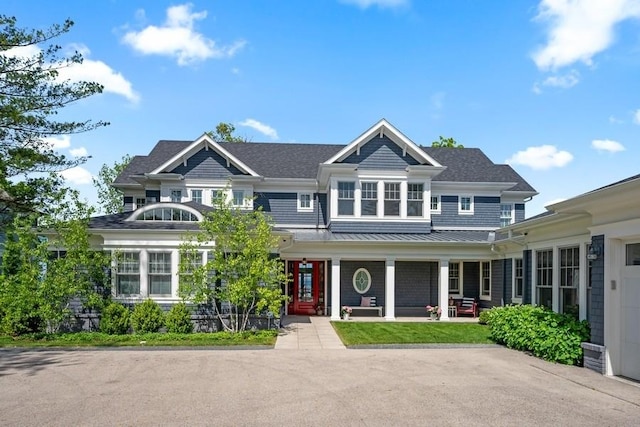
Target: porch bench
x,y
368,303
467,306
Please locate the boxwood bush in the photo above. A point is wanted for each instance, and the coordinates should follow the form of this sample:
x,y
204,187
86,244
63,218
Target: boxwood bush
x,y
548,335
147,317
114,319
178,319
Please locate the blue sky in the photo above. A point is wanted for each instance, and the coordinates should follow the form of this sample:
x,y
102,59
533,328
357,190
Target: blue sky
x,y
549,86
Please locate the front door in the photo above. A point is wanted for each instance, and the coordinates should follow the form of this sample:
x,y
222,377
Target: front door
x,y
306,287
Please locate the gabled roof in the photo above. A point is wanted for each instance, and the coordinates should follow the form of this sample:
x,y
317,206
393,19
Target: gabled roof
x,y
383,127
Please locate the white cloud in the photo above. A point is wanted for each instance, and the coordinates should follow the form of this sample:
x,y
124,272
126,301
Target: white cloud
x,y
564,81
78,152
177,38
260,127
614,120
77,176
89,70
364,4
636,117
58,142
579,29
541,157
607,145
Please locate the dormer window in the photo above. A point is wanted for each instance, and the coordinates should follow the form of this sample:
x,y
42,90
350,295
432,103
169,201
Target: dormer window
x,y
305,202
176,196
465,205
392,199
238,198
346,197
196,196
369,203
415,199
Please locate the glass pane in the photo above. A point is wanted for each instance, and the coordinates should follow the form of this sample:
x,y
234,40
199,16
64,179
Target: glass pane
x,y
345,207
414,208
305,282
633,254
160,285
369,207
544,297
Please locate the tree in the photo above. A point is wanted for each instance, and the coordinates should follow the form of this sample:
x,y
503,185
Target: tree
x,y
224,132
247,274
47,263
110,198
446,142
31,94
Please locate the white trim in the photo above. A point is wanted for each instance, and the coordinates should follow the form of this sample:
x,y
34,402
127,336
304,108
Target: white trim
x,y
471,205
514,299
299,201
134,216
438,210
353,280
482,277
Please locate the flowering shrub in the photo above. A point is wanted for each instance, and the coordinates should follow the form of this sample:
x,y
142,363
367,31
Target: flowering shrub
x,y
433,309
345,310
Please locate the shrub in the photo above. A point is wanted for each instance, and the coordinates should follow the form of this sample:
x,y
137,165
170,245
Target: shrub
x,y
115,319
484,317
178,319
147,317
551,336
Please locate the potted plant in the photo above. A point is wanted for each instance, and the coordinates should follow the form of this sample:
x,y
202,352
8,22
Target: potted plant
x,y
345,311
318,309
434,311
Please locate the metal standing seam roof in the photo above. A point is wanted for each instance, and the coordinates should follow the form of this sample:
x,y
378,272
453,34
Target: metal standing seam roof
x,y
439,236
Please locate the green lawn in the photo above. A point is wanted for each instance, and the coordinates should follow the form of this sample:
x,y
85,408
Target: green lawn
x,y
358,333
97,339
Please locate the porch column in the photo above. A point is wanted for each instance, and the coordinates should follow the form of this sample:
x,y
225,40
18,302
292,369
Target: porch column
x,y
390,289
443,289
144,276
335,288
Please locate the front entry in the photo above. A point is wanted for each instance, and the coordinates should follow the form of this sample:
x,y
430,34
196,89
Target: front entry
x,y
306,290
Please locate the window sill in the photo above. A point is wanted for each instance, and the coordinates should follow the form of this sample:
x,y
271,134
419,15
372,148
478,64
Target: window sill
x,y
516,300
485,297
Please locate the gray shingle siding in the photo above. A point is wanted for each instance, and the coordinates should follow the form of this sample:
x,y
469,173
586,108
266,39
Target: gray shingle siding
x,y
380,153
380,227
497,282
207,165
416,283
596,317
527,271
471,279
348,295
506,280
324,208
486,213
283,208
520,212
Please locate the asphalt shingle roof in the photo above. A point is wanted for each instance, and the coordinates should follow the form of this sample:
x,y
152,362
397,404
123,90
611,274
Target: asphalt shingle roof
x,y
288,160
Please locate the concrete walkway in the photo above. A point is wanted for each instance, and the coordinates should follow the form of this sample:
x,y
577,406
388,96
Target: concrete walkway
x,y
308,333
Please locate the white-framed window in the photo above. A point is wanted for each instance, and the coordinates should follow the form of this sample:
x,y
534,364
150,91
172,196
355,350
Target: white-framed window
x,y
391,199
217,195
518,279
454,278
435,204
196,195
544,277
176,196
632,254
465,205
240,198
589,283
506,214
140,202
369,196
415,199
485,280
346,197
361,280
569,279
128,274
159,272
305,202
189,261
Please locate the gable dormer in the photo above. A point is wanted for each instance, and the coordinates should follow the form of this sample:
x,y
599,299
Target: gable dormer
x,y
380,182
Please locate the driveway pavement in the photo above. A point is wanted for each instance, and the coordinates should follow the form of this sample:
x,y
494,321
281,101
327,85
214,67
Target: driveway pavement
x,y
324,387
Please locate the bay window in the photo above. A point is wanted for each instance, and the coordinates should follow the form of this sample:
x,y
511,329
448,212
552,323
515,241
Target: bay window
x,y
128,274
159,273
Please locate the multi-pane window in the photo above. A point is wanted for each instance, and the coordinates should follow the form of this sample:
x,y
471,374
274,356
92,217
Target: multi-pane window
x,y
544,277
589,285
454,277
217,196
160,273
369,202
140,202
485,279
506,214
196,196
167,214
435,203
569,279
128,274
518,278
176,196
466,204
392,198
238,197
346,196
305,201
414,199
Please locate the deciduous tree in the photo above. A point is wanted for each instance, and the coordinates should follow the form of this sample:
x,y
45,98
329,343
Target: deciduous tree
x,y
110,198
446,142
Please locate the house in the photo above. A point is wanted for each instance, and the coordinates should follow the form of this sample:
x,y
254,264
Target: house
x,y
583,256
380,216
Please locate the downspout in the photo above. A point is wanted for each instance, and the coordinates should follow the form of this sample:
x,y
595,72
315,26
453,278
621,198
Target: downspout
x,y
317,198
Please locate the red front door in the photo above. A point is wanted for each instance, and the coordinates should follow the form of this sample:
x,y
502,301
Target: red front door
x,y
307,283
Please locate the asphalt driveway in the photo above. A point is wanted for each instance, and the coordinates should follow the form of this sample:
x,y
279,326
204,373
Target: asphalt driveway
x,y
474,386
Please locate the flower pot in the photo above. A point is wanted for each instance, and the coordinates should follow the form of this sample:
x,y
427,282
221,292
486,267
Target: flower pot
x,y
345,316
434,316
